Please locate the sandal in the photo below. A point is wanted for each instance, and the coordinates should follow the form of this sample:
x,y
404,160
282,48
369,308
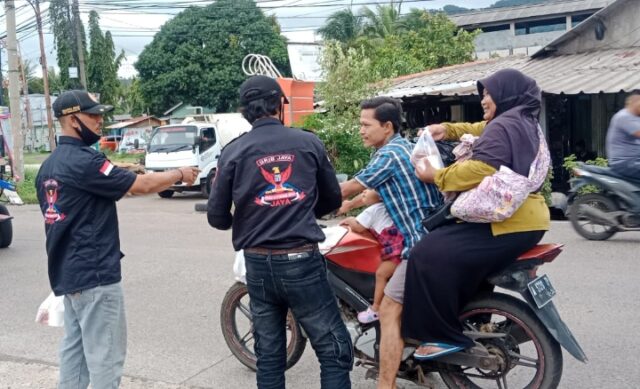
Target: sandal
x,y
368,316
446,349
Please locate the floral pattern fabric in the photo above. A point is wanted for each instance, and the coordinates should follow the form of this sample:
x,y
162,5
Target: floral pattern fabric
x,y
500,195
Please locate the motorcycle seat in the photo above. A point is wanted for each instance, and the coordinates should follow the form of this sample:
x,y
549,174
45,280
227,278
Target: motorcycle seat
x,y
545,252
607,171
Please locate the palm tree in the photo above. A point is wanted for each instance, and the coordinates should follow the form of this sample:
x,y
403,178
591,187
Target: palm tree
x,y
342,26
384,21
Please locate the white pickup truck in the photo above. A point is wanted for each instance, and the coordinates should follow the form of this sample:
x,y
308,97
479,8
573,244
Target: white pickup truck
x,y
197,141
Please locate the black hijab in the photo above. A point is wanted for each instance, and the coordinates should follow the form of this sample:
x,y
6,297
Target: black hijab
x,y
511,137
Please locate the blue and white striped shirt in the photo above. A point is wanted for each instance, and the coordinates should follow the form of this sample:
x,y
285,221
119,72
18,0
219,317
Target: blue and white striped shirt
x,y
407,199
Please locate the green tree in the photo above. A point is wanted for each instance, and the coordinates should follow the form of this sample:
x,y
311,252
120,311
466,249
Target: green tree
x,y
439,43
59,14
36,85
97,66
414,43
343,26
130,98
197,56
28,68
102,63
55,84
414,20
425,41
349,78
111,84
64,35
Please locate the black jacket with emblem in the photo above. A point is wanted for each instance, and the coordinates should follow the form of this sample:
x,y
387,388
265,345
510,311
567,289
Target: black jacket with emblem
x,y
280,180
77,189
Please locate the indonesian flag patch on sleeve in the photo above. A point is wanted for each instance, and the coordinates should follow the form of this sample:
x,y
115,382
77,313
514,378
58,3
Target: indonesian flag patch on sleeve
x,y
106,168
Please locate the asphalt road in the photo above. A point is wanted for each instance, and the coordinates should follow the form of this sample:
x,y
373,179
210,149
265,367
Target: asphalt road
x,y
177,270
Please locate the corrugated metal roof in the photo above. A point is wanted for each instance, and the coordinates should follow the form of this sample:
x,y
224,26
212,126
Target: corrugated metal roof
x,y
608,71
496,15
451,80
131,122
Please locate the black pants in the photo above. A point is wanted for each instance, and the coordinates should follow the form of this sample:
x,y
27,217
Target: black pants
x,y
446,269
277,283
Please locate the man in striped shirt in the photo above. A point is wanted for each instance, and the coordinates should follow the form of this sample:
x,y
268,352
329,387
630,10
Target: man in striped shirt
x,y
408,201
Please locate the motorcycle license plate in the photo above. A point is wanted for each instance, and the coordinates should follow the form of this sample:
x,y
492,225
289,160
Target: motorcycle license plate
x,y
541,290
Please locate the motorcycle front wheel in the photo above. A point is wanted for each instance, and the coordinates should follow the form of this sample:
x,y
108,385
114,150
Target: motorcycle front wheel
x,y
587,228
237,329
530,357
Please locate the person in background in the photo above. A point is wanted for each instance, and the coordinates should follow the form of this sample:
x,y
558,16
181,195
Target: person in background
x,y
623,139
581,152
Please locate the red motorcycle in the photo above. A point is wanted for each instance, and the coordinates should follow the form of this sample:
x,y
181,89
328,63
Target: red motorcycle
x,y
517,340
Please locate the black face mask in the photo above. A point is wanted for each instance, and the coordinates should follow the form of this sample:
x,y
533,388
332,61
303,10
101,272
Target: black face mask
x,y
281,114
88,137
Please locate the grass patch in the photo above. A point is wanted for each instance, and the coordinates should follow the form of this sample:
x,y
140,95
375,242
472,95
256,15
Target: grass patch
x,y
27,187
35,158
124,157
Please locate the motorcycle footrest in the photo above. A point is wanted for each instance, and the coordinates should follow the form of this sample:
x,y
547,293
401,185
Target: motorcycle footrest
x,y
477,357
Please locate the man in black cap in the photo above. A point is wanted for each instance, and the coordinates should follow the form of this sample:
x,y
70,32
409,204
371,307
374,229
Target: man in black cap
x,y
77,189
280,180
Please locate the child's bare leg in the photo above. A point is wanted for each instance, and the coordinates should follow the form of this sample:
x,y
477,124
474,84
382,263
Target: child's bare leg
x,y
384,272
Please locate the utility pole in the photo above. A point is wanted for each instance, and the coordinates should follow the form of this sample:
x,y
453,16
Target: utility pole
x,y
25,94
78,23
45,74
1,78
14,90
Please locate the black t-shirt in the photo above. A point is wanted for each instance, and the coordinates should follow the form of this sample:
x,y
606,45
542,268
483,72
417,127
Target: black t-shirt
x,y
77,189
279,179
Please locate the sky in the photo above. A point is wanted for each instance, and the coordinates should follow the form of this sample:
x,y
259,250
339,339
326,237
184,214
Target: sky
x,y
133,30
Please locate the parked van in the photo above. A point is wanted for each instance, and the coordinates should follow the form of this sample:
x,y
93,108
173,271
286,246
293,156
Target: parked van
x,y
197,141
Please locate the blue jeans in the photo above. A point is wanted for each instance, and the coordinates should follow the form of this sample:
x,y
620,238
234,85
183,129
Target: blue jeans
x,y
630,168
279,282
95,338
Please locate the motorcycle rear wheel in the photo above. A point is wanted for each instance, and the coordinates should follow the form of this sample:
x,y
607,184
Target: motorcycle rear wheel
x,y
6,229
581,223
525,334
240,341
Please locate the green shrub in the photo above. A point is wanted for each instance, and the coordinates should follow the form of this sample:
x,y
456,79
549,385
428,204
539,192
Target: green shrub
x,y
342,141
571,162
546,187
27,187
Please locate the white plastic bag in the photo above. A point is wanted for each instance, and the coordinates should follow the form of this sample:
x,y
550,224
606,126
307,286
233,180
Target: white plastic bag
x,y
51,311
239,269
426,148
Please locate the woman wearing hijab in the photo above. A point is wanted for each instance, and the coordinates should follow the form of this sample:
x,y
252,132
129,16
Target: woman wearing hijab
x,y
447,267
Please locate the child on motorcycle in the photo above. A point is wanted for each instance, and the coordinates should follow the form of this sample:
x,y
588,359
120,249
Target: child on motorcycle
x,y
376,220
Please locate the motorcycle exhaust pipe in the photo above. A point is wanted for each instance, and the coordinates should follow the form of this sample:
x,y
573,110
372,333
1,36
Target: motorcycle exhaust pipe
x,y
596,215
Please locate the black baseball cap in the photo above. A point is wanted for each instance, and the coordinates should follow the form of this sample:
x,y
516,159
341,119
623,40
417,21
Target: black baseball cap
x,y
260,87
75,101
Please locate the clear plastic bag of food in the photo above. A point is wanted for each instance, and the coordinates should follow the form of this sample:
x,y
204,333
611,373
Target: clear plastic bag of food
x,y
426,148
